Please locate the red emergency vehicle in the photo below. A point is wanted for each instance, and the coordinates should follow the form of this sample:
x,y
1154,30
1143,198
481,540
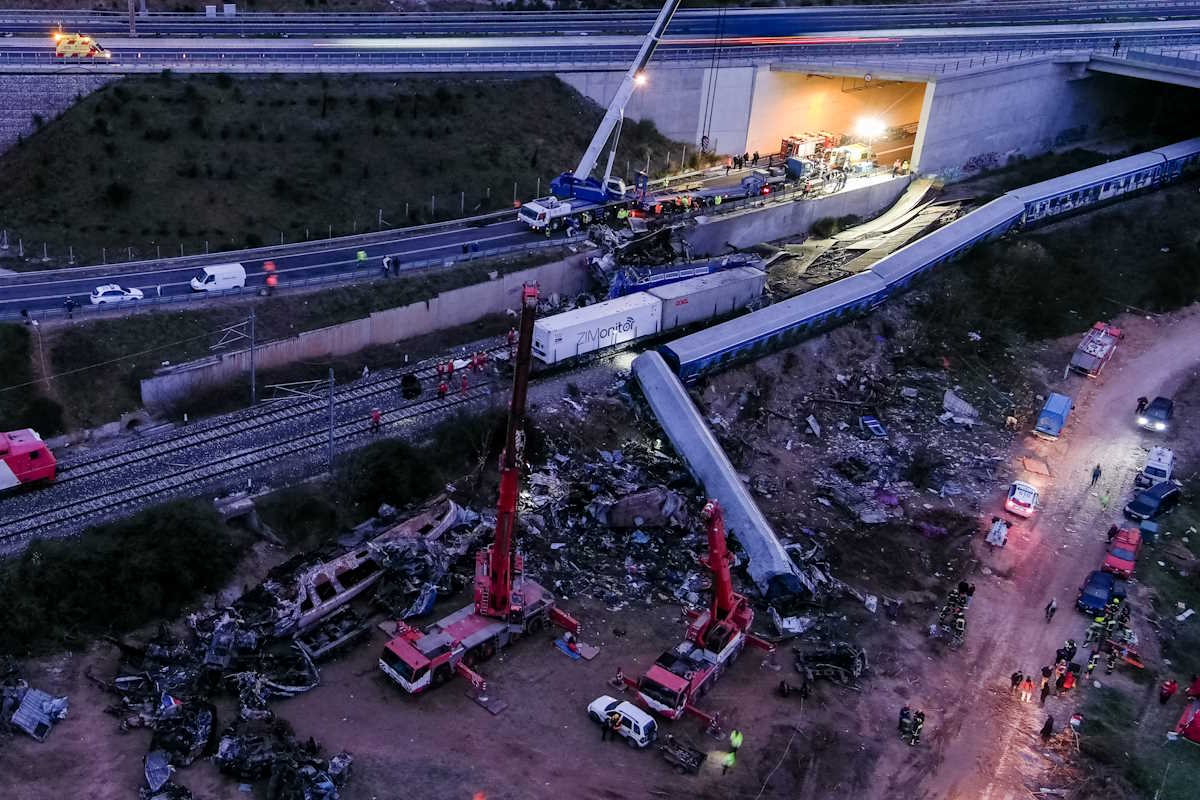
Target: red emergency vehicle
x,y
24,458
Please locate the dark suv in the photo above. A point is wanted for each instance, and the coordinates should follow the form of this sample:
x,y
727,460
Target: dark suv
x,y
1155,501
1157,415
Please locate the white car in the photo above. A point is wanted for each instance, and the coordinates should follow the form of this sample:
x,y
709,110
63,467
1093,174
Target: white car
x,y
112,293
1022,499
638,727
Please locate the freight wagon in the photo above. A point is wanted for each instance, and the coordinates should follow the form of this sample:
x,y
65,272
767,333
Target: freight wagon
x,y
634,316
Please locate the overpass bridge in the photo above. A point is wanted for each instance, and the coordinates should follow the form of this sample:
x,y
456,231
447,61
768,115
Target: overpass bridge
x,y
528,53
693,22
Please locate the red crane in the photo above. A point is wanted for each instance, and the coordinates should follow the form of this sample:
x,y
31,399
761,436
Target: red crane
x,y
504,607
493,574
715,638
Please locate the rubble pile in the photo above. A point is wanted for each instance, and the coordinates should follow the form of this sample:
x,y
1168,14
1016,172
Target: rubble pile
x,y
254,750
266,643
892,442
619,526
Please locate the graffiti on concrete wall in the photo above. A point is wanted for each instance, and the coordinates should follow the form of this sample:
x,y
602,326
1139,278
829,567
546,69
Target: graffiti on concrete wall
x,y
981,162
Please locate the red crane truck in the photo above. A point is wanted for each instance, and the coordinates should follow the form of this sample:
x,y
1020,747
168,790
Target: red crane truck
x,y
505,607
715,638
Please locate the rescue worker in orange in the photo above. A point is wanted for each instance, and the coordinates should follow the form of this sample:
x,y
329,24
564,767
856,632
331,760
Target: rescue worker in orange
x,y
463,388
376,419
443,389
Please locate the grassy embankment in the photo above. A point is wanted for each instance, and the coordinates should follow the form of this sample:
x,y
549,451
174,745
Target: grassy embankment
x,y
1143,254
156,162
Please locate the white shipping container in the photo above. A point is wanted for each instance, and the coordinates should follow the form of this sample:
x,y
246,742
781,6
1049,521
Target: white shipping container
x,y
593,327
708,296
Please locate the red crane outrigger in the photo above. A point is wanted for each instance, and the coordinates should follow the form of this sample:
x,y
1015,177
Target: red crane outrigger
x,y
715,638
502,610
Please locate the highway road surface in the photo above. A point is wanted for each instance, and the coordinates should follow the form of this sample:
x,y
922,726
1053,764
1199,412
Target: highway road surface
x,y
322,259
694,22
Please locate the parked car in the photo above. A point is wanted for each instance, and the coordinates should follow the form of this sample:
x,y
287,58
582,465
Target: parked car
x,y
638,727
1097,591
1123,552
112,293
1155,501
1022,499
1157,415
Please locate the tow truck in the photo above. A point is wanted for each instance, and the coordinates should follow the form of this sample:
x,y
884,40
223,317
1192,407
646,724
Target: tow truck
x,y
715,638
507,605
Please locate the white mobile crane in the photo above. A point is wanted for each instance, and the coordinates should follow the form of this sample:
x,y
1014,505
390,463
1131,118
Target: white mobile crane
x,y
577,195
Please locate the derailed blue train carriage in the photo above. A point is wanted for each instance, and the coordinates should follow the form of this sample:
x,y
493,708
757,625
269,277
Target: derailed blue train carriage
x,y
790,321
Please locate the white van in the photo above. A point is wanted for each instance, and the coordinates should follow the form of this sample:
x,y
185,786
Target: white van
x,y
219,277
1160,466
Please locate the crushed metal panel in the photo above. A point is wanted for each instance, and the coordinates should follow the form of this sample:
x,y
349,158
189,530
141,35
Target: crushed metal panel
x,y
38,712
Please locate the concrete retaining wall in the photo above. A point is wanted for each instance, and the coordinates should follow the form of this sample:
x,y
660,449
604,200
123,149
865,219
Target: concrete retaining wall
x,y
976,121
781,220
22,96
455,307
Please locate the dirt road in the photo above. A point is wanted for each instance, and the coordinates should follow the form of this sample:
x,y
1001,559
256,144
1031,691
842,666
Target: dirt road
x,y
981,743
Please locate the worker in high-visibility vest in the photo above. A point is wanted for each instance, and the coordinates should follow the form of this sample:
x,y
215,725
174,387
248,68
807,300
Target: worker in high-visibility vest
x,y
735,739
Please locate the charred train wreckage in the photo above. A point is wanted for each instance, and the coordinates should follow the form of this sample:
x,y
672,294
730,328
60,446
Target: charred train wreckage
x,y
267,644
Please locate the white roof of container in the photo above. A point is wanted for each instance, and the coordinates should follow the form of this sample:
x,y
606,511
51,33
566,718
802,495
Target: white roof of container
x,y
597,311
776,317
1179,149
671,291
1086,177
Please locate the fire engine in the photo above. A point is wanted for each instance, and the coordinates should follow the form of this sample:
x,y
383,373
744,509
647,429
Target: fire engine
x,y
68,45
715,638
24,458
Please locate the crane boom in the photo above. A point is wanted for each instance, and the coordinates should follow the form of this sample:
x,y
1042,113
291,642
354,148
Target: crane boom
x,y
564,183
494,598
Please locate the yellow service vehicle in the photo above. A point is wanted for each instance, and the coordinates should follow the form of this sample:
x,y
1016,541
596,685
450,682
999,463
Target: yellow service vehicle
x,y
75,45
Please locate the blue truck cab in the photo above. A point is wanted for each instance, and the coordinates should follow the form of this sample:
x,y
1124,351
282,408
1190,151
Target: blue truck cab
x,y
1053,417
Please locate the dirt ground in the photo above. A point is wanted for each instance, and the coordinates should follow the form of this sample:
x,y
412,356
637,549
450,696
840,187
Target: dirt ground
x,y
1047,558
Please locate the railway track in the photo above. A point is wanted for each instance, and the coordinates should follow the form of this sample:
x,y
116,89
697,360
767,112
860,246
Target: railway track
x,y
97,507
244,421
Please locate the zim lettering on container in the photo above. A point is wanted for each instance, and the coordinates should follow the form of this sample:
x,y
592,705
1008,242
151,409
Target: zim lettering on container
x,y
681,302
600,334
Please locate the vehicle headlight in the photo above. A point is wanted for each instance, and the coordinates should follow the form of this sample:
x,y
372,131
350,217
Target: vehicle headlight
x,y
1160,426
1142,420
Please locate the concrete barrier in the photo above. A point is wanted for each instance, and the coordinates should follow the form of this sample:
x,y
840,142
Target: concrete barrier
x,y
446,310
712,235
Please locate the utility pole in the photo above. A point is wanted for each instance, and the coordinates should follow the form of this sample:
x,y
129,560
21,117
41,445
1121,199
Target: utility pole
x,y
331,419
132,18
253,380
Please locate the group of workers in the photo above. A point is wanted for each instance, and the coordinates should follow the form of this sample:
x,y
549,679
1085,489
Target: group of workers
x,y
952,616
445,372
